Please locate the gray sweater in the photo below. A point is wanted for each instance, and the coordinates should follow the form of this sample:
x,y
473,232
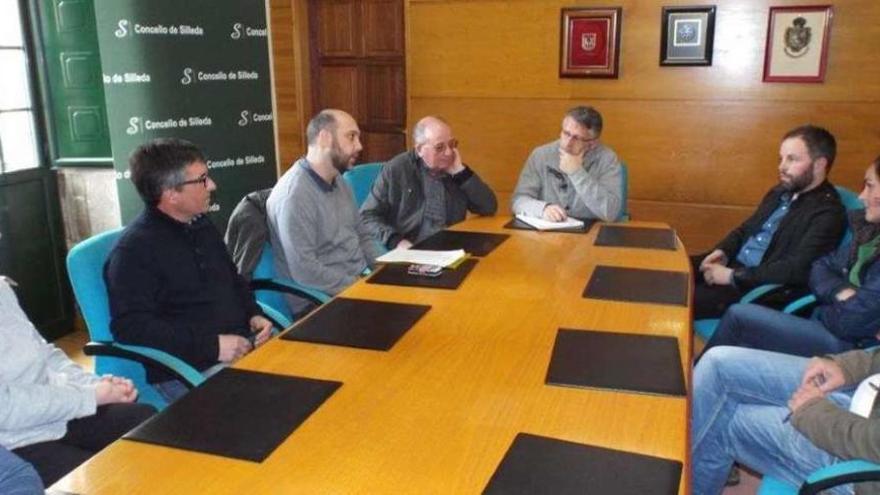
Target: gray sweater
x,y
594,191
315,232
41,389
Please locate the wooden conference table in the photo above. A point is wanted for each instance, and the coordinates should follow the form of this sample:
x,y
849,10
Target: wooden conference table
x,y
437,412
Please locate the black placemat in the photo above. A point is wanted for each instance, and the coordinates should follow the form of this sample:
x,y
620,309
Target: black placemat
x,y
534,464
638,285
237,413
358,323
475,243
396,274
517,224
636,237
617,361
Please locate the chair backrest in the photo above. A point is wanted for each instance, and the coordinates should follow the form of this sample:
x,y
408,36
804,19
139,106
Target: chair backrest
x,y
850,201
85,268
265,269
361,179
624,194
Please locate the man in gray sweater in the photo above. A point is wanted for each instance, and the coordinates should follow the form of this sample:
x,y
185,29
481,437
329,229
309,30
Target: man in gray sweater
x,y
314,226
574,176
421,191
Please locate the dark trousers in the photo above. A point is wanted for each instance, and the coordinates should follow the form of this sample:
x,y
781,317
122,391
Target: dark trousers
x,y
710,301
85,437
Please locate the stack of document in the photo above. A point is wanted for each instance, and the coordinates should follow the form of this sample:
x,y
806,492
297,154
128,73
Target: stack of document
x,y
423,257
541,224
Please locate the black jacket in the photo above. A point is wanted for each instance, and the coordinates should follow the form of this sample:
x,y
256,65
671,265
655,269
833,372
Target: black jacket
x,y
172,286
395,207
812,228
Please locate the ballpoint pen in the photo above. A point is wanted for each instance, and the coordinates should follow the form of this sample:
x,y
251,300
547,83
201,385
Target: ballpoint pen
x,y
818,381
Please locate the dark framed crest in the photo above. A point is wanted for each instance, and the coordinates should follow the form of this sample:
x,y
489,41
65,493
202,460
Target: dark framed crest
x,y
797,43
589,43
687,35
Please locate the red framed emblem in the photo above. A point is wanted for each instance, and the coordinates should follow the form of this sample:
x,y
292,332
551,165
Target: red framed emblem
x,y
589,42
797,43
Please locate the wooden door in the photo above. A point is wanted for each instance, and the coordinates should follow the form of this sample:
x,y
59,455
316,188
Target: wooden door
x,y
358,65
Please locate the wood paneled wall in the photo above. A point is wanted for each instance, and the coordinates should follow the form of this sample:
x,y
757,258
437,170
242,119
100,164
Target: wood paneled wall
x,y
701,142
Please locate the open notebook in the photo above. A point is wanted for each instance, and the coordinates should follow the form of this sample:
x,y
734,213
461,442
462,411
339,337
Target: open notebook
x,y
541,224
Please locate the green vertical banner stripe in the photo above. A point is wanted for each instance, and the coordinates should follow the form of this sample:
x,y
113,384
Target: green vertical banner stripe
x,y
197,70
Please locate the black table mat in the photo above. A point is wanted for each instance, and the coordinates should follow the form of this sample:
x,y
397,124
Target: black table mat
x,y
618,361
475,243
396,274
636,237
517,224
358,323
237,413
638,285
534,464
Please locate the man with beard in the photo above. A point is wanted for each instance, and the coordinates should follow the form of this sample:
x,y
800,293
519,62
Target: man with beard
x,y
799,220
575,176
314,226
421,191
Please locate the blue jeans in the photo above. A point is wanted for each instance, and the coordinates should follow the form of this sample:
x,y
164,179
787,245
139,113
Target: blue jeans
x,y
758,327
18,477
740,399
172,390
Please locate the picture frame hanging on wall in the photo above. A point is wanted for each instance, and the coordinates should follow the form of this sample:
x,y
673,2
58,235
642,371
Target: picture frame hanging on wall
x,y
589,43
797,43
687,35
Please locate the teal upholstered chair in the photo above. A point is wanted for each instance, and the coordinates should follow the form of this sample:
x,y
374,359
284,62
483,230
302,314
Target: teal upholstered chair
x,y
706,328
624,211
85,266
269,290
822,479
361,179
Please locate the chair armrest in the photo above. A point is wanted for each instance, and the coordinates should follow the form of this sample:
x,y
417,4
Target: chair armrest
x,y
799,304
838,474
290,287
278,320
150,356
759,292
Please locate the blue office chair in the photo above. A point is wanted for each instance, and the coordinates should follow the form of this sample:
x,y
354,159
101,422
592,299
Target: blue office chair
x,y
85,266
706,328
361,179
269,290
624,211
854,471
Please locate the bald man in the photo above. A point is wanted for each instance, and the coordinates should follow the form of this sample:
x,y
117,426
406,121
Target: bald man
x,y
421,191
316,234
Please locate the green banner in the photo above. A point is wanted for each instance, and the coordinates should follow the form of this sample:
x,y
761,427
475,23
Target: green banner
x,y
193,69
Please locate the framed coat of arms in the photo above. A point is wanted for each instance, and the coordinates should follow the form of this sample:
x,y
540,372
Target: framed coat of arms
x,y
797,43
589,42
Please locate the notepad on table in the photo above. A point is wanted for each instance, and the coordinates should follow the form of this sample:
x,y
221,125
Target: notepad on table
x,y
541,224
423,257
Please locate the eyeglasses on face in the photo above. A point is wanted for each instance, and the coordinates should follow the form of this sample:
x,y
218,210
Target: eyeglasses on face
x,y
203,179
579,138
442,147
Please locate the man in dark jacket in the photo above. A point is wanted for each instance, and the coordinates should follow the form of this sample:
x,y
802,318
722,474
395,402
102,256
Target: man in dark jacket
x,y
422,191
798,220
170,280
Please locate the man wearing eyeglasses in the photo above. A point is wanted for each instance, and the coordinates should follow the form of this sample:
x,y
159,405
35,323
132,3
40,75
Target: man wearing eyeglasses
x,y
575,176
170,280
421,191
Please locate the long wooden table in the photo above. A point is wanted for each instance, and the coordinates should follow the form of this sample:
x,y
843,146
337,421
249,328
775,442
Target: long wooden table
x,y
438,411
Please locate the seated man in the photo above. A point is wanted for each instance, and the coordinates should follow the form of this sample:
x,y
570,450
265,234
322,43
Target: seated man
x,y
422,191
574,176
316,235
740,415
171,282
799,220
53,414
847,285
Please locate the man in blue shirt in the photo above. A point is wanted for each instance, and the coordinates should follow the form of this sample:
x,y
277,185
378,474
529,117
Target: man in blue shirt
x,y
799,219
